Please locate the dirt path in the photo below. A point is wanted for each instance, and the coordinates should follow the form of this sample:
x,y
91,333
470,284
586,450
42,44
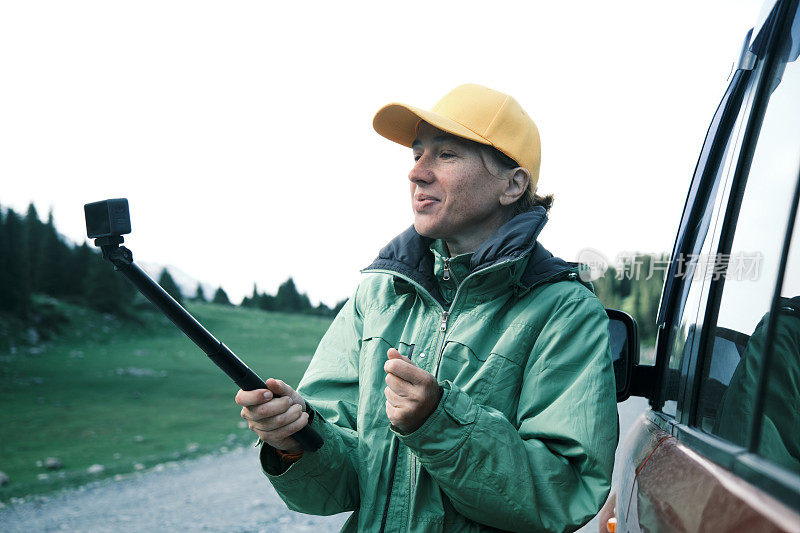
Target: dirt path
x,y
213,493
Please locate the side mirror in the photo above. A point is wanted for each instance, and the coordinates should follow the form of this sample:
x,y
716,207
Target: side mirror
x,y
624,341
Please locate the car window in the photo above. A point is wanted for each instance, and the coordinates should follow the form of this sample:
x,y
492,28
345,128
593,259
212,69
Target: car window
x,y
779,435
683,338
731,371
779,439
691,268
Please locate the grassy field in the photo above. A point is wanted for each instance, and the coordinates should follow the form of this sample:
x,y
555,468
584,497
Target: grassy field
x,y
131,396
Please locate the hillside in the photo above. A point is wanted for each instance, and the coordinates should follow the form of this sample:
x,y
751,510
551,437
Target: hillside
x,y
128,395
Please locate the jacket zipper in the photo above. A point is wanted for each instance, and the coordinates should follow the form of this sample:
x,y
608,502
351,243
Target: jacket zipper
x,y
446,313
448,272
413,486
391,482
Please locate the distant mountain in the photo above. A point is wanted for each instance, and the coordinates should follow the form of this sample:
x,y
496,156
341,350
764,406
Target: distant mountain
x,y
186,282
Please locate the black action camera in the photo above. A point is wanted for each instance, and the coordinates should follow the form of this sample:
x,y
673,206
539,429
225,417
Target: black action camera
x,y
109,218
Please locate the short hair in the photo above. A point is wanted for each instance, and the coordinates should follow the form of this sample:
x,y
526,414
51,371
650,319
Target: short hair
x,y
529,199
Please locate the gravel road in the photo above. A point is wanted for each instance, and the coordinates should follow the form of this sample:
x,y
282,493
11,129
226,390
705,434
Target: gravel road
x,y
213,493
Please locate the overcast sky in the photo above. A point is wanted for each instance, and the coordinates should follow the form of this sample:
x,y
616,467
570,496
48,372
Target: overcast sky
x,y
241,132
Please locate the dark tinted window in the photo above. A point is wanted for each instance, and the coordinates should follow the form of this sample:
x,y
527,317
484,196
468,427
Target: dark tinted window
x,y
692,269
731,371
779,440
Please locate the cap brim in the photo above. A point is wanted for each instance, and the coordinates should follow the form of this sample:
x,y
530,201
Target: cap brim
x,y
398,123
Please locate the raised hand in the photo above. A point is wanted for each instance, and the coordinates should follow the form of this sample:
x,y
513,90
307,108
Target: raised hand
x,y
274,414
412,394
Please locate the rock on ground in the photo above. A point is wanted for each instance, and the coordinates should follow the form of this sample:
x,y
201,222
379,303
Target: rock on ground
x,y
53,463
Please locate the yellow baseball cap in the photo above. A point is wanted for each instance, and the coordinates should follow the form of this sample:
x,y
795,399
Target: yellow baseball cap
x,y
473,112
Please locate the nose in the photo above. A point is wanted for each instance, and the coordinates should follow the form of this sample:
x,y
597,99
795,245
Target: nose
x,y
421,172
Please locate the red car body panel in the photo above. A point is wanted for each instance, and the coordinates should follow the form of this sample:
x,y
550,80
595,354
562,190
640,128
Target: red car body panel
x,y
666,486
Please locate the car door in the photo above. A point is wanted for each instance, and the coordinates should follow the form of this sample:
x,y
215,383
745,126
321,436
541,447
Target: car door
x,y
716,451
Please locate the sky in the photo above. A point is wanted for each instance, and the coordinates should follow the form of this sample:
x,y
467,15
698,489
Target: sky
x,y
241,132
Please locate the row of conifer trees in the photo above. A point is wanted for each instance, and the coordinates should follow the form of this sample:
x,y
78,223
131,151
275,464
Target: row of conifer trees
x,y
36,259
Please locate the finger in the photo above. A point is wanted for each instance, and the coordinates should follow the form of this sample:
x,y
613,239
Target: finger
x,y
289,429
247,398
391,411
276,422
392,397
399,386
274,407
394,414
266,425
393,353
404,370
278,387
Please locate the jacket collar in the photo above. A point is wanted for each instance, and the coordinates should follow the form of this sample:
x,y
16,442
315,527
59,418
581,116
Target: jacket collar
x,y
409,253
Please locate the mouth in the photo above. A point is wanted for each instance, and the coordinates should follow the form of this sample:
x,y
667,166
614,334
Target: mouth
x,y
423,201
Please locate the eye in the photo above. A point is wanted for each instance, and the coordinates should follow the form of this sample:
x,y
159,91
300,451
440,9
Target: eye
x,y
417,156
447,155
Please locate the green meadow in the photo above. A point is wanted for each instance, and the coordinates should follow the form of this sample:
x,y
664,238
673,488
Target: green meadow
x,y
133,395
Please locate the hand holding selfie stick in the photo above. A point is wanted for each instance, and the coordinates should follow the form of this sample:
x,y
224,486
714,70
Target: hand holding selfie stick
x,y
106,222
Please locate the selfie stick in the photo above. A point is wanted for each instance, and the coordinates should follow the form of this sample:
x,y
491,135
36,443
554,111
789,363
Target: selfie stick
x,y
106,222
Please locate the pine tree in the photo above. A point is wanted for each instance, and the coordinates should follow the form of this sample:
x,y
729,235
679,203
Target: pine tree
x,y
266,302
55,258
322,309
251,301
288,299
199,295
32,247
78,264
221,297
102,288
6,283
305,303
169,285
15,293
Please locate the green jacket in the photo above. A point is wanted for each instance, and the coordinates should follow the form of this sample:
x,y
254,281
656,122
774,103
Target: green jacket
x,y
524,436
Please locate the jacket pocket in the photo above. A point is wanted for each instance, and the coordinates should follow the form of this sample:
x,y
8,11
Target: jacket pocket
x,y
493,379
373,354
469,371
372,379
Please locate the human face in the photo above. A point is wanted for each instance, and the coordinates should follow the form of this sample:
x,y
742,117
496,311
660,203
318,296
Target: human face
x,y
453,195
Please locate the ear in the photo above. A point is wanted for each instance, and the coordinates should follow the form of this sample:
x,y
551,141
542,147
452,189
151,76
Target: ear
x,y
518,180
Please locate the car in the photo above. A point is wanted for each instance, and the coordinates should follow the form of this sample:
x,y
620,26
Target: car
x,y
718,449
